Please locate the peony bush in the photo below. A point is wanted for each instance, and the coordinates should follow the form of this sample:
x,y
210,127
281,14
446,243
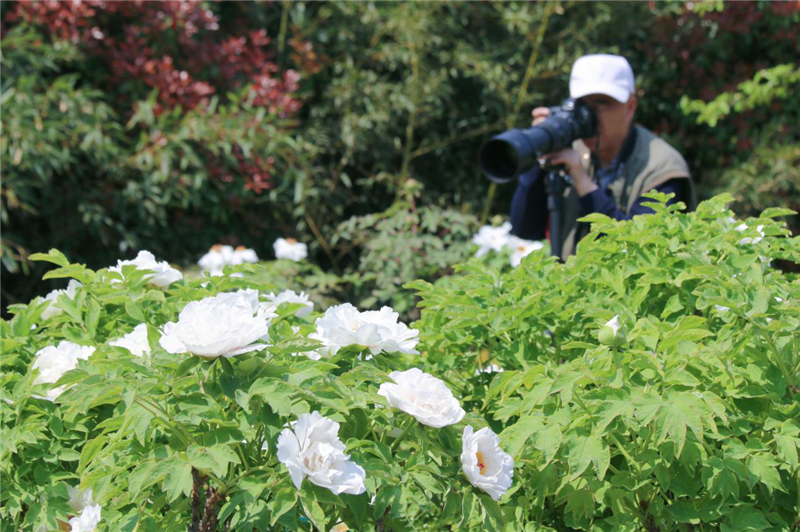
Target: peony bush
x,y
220,402
650,383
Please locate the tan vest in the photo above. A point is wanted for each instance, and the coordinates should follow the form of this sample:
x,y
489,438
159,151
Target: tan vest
x,y
652,162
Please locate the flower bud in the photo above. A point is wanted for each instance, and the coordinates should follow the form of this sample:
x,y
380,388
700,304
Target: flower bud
x,y
611,333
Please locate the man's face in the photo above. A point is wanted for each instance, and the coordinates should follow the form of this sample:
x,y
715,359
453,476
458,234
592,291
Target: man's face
x,y
613,120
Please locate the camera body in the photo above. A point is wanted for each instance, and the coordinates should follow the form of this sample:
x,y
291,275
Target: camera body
x,y
507,155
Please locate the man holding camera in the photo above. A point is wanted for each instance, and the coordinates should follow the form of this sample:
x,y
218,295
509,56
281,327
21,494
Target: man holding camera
x,y
611,170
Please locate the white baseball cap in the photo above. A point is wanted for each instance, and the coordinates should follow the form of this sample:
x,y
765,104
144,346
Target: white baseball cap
x,y
607,74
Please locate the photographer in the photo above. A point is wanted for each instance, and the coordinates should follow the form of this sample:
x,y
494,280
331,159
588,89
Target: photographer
x,y
609,171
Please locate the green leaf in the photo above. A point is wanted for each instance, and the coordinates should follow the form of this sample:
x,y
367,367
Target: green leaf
x,y
312,509
493,518
135,311
589,450
138,419
548,441
90,450
765,468
54,256
760,301
468,508
513,438
580,503
214,459
92,316
284,501
275,393
776,212
73,271
787,449
178,480
680,411
746,517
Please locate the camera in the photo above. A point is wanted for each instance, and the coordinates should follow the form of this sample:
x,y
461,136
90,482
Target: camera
x,y
507,155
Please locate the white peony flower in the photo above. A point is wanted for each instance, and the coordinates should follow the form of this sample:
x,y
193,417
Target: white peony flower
x,y
521,248
242,255
163,274
396,337
52,298
491,238
220,256
422,396
289,248
53,362
216,259
748,239
135,341
290,296
485,464
343,325
87,520
226,325
312,448
78,500
492,368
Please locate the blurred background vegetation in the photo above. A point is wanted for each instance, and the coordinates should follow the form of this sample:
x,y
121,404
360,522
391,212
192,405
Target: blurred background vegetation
x,y
352,126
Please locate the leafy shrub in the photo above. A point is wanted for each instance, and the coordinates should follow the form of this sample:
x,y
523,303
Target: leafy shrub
x,y
403,244
651,382
130,125
686,418
166,440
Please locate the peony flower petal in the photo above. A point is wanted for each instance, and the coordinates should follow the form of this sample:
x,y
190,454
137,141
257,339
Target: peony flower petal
x,y
484,463
423,397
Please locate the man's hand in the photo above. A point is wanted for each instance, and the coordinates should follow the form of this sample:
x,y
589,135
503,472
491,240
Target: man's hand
x,y
539,114
568,157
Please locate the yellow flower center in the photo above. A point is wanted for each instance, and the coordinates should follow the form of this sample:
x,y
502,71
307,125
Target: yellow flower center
x,y
481,464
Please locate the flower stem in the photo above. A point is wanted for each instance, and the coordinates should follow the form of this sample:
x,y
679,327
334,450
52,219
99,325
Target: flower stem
x,y
403,434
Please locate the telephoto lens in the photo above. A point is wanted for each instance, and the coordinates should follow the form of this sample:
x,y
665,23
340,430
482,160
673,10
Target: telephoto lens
x,y
507,155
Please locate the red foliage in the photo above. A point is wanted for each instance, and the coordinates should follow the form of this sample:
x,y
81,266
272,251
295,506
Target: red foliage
x,y
171,46
176,48
705,55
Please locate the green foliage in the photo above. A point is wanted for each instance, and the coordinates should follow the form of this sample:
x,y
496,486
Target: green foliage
x,y
158,439
768,177
767,85
390,91
651,382
403,244
51,125
691,420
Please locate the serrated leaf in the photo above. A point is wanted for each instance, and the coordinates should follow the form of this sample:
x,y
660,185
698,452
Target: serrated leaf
x,y
178,481
765,468
548,441
589,450
274,393
513,438
580,504
787,449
